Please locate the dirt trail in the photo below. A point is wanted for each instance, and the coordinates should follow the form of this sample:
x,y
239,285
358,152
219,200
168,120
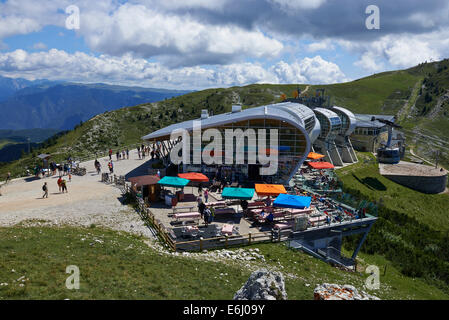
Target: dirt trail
x,y
87,202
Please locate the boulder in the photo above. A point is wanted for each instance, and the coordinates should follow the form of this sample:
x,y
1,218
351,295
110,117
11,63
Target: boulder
x,y
263,285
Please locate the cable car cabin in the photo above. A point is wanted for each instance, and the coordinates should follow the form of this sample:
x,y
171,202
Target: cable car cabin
x,y
387,155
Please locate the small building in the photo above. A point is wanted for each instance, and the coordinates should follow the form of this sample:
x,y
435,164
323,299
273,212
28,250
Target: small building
x,y
369,135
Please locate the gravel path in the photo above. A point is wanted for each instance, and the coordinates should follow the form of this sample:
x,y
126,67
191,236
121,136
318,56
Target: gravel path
x,y
87,202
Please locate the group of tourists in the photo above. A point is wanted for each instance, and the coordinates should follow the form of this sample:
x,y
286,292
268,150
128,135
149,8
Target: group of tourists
x,y
119,155
144,150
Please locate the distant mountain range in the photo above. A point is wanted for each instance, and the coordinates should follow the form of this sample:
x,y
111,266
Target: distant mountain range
x,y
62,105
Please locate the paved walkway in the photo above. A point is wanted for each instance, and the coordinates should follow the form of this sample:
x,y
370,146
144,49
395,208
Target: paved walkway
x,y
87,202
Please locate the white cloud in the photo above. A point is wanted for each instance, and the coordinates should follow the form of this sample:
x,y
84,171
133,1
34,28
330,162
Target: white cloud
x,y
179,40
59,65
320,46
400,51
369,61
408,52
288,5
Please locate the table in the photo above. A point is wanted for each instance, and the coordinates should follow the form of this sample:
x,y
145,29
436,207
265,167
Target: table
x,y
227,229
187,216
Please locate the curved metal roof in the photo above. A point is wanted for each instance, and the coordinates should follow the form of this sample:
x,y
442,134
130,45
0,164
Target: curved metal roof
x,y
351,118
292,113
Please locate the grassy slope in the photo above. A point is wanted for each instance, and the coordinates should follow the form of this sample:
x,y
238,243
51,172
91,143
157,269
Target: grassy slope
x,y
429,209
121,266
384,93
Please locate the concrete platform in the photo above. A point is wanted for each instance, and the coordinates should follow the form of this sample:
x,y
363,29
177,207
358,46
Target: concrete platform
x,y
419,177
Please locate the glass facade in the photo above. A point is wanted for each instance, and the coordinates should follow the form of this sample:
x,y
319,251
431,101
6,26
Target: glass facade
x,y
330,126
291,148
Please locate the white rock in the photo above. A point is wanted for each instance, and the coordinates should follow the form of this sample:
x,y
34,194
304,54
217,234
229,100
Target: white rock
x,y
263,285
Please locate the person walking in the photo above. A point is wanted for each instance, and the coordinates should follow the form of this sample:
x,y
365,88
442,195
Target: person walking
x,y
59,184
111,167
206,216
45,189
127,154
64,186
110,154
8,177
206,195
97,166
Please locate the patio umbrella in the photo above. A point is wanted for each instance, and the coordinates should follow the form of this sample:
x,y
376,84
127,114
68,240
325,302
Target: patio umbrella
x,y
238,193
144,180
194,177
292,201
321,165
269,189
173,182
315,156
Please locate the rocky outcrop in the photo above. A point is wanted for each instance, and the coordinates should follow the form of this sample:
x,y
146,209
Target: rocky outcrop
x,y
263,285
328,291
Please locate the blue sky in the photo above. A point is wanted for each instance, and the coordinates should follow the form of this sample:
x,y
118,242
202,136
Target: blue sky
x,y
217,43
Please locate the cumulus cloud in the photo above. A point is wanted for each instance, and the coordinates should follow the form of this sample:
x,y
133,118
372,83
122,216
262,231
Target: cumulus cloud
x,y
298,4
59,65
320,46
179,40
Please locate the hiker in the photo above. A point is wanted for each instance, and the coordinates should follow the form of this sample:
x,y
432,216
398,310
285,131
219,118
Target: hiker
x,y
127,153
64,186
45,189
201,207
111,167
110,154
206,216
8,177
212,214
97,166
206,195
59,184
